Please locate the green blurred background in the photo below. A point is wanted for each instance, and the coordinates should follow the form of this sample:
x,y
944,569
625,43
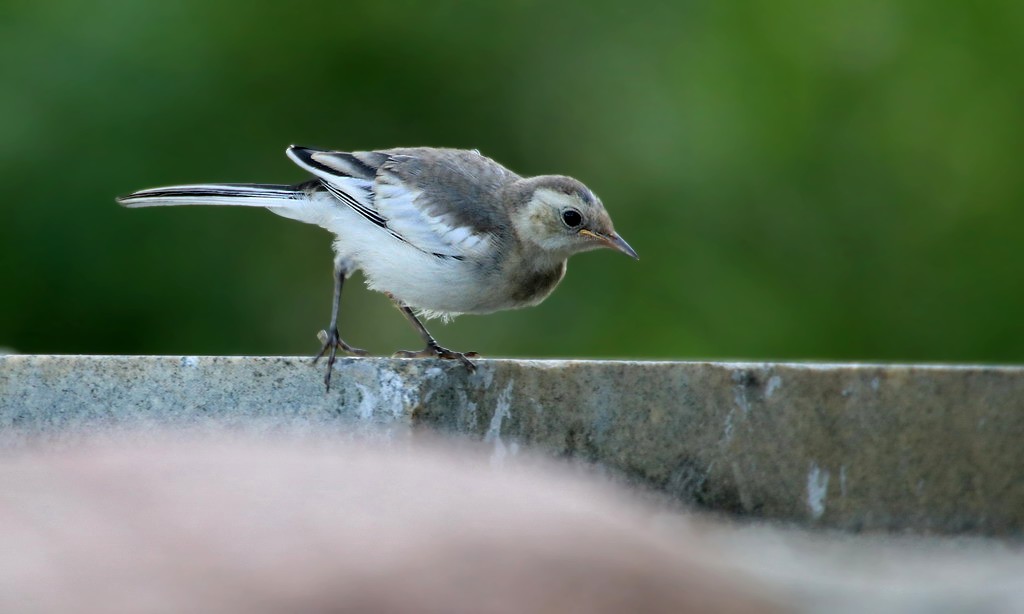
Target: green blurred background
x,y
823,180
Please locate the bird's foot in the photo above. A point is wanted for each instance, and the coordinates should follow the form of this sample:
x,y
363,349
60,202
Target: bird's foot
x,y
332,342
436,351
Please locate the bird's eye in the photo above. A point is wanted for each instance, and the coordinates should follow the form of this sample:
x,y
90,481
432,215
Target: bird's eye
x,y
572,218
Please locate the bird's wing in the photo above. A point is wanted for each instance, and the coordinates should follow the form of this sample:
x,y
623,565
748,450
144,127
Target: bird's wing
x,y
417,196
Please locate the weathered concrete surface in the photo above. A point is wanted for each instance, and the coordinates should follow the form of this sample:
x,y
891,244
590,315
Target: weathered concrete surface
x,y
925,448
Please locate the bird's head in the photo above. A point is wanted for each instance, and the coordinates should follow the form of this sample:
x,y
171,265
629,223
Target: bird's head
x,y
563,217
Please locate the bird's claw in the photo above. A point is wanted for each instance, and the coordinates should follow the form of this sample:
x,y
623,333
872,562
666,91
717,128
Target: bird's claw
x,y
436,351
332,342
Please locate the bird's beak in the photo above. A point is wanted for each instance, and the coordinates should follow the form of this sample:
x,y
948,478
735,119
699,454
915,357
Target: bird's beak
x,y
613,241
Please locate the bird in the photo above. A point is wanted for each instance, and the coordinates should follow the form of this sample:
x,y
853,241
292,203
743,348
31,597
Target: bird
x,y
442,232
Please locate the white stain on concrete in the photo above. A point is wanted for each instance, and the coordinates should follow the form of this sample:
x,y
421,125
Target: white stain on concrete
x,y
391,395
875,384
396,395
817,490
739,397
727,430
774,383
189,361
501,411
367,402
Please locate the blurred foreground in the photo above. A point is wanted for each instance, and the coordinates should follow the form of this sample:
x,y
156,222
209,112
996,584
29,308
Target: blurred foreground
x,y
144,523
239,526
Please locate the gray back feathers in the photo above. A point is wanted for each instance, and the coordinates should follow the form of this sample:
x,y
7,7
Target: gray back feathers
x,y
455,185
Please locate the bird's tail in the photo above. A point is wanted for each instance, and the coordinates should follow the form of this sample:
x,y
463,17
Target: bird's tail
x,y
297,202
228,194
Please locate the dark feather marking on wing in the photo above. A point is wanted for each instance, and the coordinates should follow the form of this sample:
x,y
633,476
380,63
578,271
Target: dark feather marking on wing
x,y
370,215
359,208
306,155
378,220
369,172
362,169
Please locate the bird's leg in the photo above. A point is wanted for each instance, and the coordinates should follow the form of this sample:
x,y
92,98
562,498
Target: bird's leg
x,y
433,349
330,338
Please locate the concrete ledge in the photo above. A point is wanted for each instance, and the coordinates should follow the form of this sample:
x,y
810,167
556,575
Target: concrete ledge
x,y
858,447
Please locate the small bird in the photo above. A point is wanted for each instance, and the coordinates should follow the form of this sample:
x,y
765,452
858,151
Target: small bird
x,y
441,232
